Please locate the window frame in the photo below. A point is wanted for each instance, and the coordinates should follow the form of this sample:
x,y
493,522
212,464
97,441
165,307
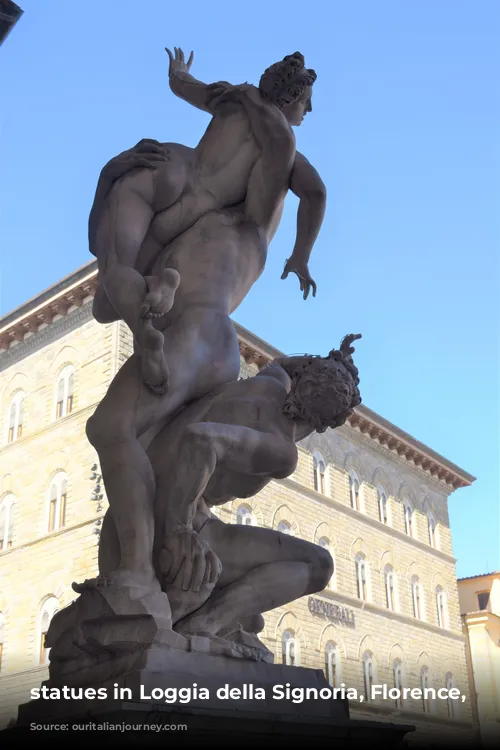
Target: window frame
x,y
319,476
6,506
16,404
381,493
355,496
283,530
397,670
425,682
450,703
361,566
409,518
65,377
245,511
432,531
417,601
389,573
441,607
57,506
368,675
328,547
290,650
50,607
332,663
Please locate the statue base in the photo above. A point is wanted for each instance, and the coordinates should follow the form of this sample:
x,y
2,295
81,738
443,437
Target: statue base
x,y
136,702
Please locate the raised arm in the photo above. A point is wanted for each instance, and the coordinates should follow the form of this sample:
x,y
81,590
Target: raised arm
x,y
186,86
311,191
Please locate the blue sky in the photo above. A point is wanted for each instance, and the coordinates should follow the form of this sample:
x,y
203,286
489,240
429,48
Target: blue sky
x,y
405,133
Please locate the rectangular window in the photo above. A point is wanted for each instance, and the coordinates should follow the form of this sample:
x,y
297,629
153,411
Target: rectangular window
x,y
52,514
483,599
62,511
43,650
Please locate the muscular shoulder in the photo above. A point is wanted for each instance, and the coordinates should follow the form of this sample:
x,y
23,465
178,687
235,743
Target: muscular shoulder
x,y
277,373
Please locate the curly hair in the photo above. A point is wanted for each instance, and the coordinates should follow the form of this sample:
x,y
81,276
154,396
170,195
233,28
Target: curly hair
x,y
325,391
285,81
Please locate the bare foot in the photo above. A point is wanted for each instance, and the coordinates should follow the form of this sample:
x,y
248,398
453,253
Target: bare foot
x,y
153,362
126,578
160,298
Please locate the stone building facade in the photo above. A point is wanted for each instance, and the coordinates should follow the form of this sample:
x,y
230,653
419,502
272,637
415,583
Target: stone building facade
x,y
479,598
375,496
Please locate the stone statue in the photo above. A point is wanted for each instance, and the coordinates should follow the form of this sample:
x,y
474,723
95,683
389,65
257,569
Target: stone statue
x,y
228,445
181,235
217,578
150,195
206,271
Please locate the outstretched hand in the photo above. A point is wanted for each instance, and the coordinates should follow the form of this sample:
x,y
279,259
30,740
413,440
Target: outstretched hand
x,y
302,271
177,61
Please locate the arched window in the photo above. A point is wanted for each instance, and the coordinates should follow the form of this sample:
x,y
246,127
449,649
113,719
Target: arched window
x,y
397,675
15,418
442,614
390,587
290,649
368,675
425,685
432,530
7,522
244,516
383,511
325,543
64,392
332,664
416,597
57,498
409,520
2,629
354,491
284,527
49,608
449,684
319,469
362,577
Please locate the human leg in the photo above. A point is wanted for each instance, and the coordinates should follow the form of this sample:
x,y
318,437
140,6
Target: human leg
x,y
261,569
129,409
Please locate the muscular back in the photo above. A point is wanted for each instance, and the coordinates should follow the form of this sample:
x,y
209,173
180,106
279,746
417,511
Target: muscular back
x,y
218,175
225,157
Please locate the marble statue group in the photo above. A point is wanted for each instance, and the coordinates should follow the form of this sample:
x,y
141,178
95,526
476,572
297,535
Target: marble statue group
x,y
181,235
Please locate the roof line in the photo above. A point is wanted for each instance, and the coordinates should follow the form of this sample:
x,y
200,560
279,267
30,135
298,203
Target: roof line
x,y
76,288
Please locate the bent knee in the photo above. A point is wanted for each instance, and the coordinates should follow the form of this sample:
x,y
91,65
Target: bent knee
x,y
253,624
322,569
288,463
102,431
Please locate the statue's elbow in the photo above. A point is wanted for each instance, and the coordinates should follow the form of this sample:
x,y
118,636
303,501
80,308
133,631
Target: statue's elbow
x,y
316,195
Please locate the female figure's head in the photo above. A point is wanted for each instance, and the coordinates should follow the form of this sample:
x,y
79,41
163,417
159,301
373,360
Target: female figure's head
x,y
288,84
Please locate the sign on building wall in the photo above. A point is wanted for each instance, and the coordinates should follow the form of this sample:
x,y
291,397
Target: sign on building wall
x,y
331,611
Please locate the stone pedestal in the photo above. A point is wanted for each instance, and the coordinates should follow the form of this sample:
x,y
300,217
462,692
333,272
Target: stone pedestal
x,y
126,717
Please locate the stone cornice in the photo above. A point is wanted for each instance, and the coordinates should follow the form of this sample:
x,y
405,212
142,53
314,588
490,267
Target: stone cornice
x,y
363,518
76,288
482,618
33,317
